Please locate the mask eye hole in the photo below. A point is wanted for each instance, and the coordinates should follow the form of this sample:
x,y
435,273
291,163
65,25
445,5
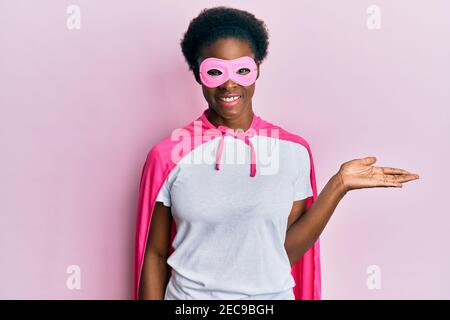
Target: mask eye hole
x,y
214,72
243,71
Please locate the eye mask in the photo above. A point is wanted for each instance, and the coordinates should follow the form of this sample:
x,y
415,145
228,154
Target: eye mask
x,y
214,72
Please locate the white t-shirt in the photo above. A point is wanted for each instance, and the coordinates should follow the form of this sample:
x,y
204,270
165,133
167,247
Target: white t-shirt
x,y
231,227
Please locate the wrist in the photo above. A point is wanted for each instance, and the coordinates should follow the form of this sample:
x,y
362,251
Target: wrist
x,y
338,184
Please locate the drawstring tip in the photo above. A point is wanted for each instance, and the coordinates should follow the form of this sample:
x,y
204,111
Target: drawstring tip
x,y
253,170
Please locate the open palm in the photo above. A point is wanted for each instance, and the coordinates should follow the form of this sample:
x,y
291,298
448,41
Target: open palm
x,y
359,173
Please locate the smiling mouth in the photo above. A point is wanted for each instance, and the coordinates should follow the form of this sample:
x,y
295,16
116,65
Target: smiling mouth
x,y
229,102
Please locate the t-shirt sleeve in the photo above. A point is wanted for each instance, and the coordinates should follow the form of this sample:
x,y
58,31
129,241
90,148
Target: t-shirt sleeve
x,y
302,185
164,194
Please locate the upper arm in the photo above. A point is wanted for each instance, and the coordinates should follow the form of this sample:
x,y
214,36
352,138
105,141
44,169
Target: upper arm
x,y
158,241
298,209
156,252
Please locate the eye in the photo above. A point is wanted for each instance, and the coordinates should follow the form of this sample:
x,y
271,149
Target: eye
x,y
244,71
214,72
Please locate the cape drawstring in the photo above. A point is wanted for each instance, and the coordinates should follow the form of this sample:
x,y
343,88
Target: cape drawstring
x,y
244,136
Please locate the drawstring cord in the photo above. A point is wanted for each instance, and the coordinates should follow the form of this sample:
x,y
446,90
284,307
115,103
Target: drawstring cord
x,y
245,137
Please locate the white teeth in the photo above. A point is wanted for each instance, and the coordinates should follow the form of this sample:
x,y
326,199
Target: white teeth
x,y
230,99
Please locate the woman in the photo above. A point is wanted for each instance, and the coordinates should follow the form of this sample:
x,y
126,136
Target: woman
x,y
211,229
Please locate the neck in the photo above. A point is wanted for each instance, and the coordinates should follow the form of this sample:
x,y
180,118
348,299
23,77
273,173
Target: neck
x,y
243,122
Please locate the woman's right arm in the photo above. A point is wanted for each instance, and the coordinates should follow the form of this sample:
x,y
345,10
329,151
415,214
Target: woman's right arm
x,y
155,272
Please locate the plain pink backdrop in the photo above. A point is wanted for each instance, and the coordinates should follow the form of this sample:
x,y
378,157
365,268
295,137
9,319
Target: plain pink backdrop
x,y
81,108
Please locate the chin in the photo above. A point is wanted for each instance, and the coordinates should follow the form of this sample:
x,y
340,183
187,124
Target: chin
x,y
230,112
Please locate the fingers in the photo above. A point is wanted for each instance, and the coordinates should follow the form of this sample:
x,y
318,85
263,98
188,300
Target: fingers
x,y
389,170
400,175
391,184
396,180
404,177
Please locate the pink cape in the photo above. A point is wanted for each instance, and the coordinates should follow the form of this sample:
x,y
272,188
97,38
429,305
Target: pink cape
x,y
160,162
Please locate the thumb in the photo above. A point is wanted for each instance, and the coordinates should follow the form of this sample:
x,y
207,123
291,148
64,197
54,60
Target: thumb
x,y
369,160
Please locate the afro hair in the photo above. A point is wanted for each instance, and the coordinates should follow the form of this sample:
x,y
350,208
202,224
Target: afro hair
x,y
223,22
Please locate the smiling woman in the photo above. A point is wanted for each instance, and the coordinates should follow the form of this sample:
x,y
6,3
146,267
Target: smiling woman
x,y
214,230
219,234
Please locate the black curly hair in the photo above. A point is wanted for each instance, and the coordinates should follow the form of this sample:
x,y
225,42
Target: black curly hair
x,y
223,22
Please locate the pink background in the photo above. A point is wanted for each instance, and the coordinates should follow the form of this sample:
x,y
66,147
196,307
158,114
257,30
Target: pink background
x,y
81,108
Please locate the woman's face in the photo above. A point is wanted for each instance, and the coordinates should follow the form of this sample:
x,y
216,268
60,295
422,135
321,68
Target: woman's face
x,y
228,49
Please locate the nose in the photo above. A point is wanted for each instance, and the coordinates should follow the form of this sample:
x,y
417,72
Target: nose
x,y
228,84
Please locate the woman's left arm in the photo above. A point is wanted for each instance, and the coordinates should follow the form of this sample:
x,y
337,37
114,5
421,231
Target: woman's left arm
x,y
353,174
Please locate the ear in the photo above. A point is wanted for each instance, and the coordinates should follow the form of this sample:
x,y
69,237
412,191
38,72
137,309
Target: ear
x,y
258,71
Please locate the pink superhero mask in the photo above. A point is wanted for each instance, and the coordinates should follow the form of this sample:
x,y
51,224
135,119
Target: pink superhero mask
x,y
214,72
